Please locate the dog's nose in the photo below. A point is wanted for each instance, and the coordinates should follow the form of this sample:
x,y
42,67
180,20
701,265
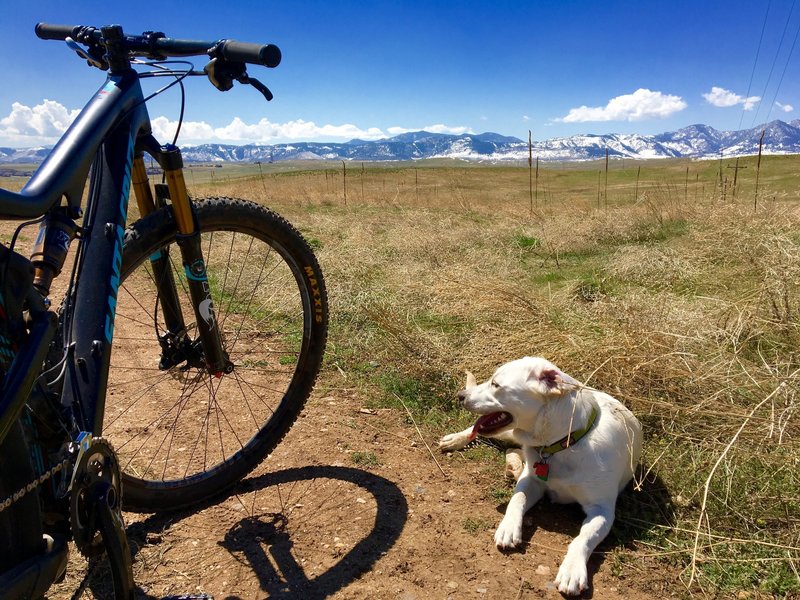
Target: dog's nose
x,y
462,396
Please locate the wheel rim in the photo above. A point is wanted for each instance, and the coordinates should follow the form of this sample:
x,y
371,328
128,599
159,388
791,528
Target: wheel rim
x,y
174,426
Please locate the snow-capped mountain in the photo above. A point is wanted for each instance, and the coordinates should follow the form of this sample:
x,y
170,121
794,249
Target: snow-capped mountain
x,y
23,155
694,141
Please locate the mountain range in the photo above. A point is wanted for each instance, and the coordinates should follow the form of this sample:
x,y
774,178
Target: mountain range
x,y
694,141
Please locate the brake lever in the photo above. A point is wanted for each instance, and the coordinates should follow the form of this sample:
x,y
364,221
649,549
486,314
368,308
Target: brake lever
x,y
222,73
80,51
246,79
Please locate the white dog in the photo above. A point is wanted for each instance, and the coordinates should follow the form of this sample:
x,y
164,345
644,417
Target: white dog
x,y
579,445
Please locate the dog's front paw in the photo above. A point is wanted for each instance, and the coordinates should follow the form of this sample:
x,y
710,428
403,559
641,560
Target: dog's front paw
x,y
509,533
453,441
572,577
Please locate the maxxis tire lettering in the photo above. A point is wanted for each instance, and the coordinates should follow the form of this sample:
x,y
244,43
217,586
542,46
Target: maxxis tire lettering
x,y
319,311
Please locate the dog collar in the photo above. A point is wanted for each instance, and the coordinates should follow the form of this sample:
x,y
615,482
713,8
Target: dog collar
x,y
570,439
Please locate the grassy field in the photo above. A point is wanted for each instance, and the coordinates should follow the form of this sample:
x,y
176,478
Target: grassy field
x,y
674,293
658,282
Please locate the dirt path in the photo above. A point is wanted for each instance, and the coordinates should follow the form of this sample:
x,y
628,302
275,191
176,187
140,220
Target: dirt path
x,y
352,505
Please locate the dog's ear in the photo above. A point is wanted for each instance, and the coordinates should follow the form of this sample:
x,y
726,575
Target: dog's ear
x,y
551,381
471,382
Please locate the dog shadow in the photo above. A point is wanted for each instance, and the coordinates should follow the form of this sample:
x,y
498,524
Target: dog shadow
x,y
644,504
264,543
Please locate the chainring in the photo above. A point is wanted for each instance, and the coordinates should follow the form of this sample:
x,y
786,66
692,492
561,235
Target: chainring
x,y
97,471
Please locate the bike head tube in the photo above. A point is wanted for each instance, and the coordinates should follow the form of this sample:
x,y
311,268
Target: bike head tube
x,y
64,172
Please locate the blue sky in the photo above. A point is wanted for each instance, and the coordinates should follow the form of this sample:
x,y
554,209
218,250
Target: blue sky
x,y
373,69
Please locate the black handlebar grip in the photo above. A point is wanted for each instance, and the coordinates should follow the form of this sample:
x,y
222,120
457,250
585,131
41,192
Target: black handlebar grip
x,y
48,31
269,55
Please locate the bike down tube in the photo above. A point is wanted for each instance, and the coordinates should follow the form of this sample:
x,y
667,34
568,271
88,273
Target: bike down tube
x,y
95,296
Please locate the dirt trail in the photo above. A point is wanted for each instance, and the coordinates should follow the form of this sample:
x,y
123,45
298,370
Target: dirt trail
x,y
352,505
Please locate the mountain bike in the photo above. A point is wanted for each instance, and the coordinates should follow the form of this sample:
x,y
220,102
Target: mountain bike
x,y
185,345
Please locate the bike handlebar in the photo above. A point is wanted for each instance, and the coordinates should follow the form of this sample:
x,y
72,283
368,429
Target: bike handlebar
x,y
48,31
154,44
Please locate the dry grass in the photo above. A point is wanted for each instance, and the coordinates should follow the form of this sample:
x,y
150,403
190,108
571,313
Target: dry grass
x,y
684,307
687,311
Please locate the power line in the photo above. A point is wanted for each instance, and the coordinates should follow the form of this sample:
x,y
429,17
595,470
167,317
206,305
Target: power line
x,y
780,81
774,61
755,62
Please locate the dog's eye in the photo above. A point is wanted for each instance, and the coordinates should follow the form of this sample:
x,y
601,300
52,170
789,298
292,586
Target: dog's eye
x,y
494,384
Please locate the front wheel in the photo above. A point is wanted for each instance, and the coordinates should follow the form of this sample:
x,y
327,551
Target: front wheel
x,y
182,434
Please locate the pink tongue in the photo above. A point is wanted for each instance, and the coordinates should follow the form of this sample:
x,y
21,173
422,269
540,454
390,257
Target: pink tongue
x,y
478,424
487,424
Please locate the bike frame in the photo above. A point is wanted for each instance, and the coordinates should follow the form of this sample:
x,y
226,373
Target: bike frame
x,y
111,133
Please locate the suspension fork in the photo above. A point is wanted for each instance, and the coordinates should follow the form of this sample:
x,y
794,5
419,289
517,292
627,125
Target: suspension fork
x,y
188,240
159,260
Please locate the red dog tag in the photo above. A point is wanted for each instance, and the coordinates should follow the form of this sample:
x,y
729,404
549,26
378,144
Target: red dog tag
x,y
541,470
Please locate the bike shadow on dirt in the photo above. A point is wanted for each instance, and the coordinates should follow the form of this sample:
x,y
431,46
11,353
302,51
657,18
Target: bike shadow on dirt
x,y
264,542
643,505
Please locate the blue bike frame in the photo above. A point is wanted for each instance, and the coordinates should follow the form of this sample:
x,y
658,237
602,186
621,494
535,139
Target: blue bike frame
x,y
111,129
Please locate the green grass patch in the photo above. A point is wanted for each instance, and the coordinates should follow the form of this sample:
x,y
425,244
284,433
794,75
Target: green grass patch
x,y
501,495
431,397
525,241
365,459
473,526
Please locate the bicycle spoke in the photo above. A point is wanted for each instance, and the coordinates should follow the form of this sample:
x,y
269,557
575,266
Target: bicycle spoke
x,y
132,319
251,385
246,401
227,269
132,404
146,427
172,430
246,308
176,425
182,402
238,278
239,380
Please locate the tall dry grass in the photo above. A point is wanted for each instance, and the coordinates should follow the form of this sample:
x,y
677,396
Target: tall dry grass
x,y
683,307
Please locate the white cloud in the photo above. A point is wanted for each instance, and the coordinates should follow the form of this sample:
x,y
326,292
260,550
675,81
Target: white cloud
x,y
40,124
784,107
641,104
46,122
261,131
723,98
265,131
164,129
